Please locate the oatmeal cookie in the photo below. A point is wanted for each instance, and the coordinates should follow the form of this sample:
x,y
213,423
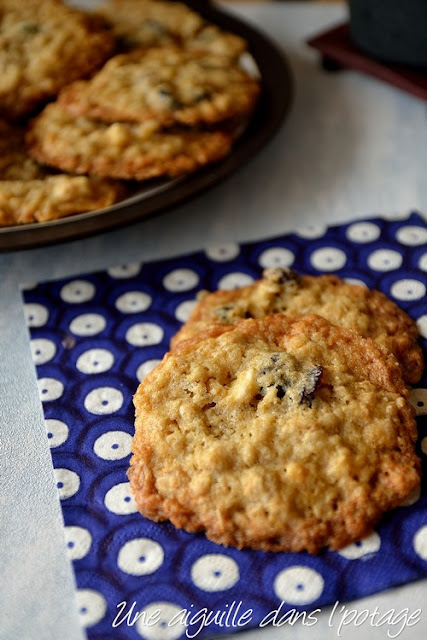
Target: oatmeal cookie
x,y
45,44
168,85
54,197
120,150
370,313
281,434
144,23
15,163
150,24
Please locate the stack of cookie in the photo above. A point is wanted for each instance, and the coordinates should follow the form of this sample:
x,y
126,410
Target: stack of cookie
x,y
280,418
169,101
43,45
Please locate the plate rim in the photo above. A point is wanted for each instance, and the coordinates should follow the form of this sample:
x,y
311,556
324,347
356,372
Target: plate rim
x,y
272,108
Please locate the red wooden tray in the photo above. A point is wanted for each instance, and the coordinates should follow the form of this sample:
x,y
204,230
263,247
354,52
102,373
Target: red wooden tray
x,y
338,51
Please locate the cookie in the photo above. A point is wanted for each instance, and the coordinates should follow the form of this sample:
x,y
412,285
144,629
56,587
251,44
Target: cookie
x,y
150,24
15,163
144,23
45,44
54,197
168,85
215,40
370,313
280,434
120,150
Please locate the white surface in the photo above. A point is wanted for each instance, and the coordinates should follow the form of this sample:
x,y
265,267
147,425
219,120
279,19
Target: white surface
x,y
351,147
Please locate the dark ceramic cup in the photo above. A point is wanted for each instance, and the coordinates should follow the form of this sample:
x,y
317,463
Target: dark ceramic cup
x,y
391,30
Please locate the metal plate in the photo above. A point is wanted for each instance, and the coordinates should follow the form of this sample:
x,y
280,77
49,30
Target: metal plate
x,y
160,195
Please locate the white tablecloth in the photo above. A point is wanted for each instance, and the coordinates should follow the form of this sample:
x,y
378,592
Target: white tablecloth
x,y
351,147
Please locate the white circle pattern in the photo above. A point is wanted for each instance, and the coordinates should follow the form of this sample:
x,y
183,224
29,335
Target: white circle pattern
x,y
145,368
298,585
161,626
224,252
56,431
422,262
366,546
119,499
36,315
413,497
185,309
77,291
328,259
234,280
311,231
215,572
420,542
422,325
113,445
412,236
276,257
418,399
78,541
67,482
180,280
123,271
385,260
95,361
408,289
103,400
363,232
88,324
140,557
355,281
144,334
91,606
133,302
50,389
42,350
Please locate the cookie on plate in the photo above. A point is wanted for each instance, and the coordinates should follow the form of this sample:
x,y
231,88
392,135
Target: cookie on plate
x,y
15,163
144,23
281,434
45,44
168,85
150,24
120,150
54,197
370,313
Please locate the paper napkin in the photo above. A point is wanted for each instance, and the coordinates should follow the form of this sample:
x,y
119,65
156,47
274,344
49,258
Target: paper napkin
x,y
95,336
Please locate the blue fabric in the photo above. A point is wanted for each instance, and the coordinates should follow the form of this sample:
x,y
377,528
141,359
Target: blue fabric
x,y
93,337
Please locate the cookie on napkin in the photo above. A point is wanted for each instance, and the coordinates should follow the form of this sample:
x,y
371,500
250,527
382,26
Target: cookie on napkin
x,y
369,312
278,434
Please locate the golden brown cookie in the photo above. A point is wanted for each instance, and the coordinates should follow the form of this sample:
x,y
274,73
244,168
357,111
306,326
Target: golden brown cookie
x,y
280,434
370,313
144,23
213,39
120,150
15,163
54,197
150,24
168,85
45,44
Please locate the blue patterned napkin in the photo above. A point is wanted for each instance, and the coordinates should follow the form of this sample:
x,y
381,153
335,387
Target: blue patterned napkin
x,y
94,337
